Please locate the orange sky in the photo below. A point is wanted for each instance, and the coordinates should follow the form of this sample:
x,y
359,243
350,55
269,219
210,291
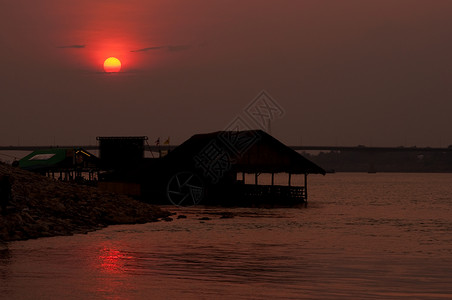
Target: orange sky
x,y
345,72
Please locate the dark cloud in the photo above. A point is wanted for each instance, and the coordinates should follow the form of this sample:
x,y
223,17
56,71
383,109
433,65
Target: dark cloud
x,y
148,49
170,48
72,46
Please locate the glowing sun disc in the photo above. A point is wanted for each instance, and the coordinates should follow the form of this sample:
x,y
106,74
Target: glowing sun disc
x,y
112,64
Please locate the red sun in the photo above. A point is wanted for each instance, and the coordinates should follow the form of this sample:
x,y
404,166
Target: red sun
x,y
112,65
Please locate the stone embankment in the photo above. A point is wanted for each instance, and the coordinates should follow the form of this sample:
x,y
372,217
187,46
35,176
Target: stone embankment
x,y
43,207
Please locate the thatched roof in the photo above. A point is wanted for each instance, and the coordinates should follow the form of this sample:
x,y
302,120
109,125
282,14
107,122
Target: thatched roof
x,y
252,151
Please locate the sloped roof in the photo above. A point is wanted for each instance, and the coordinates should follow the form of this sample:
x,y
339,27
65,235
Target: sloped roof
x,y
42,159
52,158
242,151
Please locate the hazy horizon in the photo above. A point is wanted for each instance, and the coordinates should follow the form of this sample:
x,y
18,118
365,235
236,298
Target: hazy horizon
x,y
349,73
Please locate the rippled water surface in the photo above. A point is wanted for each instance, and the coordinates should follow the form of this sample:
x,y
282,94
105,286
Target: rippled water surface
x,y
363,236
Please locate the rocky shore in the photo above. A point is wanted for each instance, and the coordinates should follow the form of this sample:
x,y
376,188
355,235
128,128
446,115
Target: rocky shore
x,y
43,207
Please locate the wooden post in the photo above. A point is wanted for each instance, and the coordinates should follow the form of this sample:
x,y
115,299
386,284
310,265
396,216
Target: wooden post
x,y
306,187
290,178
273,178
243,177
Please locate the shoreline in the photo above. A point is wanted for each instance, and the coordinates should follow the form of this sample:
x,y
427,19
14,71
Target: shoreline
x,y
43,207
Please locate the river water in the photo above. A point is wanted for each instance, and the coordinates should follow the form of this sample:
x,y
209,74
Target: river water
x,y
362,236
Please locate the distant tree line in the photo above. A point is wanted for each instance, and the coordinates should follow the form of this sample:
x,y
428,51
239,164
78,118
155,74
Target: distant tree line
x,y
383,161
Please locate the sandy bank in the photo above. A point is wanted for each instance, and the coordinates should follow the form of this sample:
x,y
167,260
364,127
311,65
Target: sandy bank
x,y
42,207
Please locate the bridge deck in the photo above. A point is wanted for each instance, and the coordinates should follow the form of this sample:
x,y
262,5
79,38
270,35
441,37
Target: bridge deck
x,y
298,148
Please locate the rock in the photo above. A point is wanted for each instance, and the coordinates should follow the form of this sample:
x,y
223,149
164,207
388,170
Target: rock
x,y
27,218
181,217
45,207
57,205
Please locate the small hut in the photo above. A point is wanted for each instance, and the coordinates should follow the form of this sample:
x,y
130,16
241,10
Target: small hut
x,y
212,168
62,163
120,152
120,160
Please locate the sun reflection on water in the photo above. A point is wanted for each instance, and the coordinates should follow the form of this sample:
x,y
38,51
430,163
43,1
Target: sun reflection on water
x,y
113,278
114,261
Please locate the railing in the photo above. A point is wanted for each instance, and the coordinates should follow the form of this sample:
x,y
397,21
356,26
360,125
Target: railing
x,y
275,194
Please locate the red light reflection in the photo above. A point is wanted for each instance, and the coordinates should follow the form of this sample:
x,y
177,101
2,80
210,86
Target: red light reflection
x,y
113,261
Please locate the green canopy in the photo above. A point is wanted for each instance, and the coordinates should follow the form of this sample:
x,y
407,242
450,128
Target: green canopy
x,y
44,159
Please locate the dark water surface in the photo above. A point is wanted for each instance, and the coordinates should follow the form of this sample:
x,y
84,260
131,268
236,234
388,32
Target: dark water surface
x,y
363,236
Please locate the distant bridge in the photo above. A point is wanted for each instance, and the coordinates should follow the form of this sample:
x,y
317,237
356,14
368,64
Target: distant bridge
x,y
297,148
371,149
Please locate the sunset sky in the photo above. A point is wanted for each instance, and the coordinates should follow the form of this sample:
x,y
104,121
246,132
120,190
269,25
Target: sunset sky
x,y
346,72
